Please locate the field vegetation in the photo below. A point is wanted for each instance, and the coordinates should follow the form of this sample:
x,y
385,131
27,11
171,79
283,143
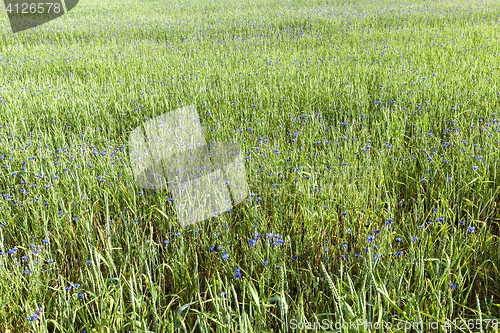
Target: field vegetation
x,y
371,142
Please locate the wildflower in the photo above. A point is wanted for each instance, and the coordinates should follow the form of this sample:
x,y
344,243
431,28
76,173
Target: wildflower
x,y
471,229
238,274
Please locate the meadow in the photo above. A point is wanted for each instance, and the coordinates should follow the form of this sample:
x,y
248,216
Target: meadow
x,y
370,135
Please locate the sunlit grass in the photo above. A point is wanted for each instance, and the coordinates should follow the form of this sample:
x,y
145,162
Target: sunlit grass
x,y
356,120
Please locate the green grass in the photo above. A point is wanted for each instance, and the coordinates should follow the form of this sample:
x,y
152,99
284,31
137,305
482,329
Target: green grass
x,y
317,82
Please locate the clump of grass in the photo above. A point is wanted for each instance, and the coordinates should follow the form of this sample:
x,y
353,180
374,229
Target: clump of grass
x,y
370,137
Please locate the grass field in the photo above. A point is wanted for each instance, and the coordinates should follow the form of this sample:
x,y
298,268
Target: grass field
x,y
371,140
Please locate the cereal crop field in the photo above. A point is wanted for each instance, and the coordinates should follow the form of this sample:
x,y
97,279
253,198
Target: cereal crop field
x,y
370,137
